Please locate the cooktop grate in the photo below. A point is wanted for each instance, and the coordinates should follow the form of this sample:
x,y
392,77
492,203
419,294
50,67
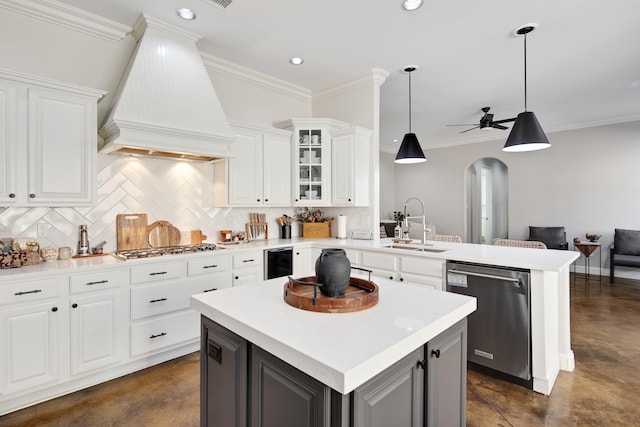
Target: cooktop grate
x,y
164,250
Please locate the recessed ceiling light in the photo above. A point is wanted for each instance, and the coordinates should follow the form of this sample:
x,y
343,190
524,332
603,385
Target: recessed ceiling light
x,y
186,13
411,4
296,60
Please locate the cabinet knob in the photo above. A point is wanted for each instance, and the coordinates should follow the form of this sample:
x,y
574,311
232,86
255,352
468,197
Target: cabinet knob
x,y
390,277
12,195
349,199
402,279
257,200
266,200
297,253
32,196
422,364
436,353
237,277
74,305
54,309
296,200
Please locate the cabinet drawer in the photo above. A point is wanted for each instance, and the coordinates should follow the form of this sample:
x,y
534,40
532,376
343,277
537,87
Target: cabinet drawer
x,y
97,281
420,265
158,271
33,290
209,265
377,260
353,256
248,259
151,335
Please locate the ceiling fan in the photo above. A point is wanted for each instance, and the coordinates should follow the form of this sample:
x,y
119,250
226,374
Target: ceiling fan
x,y
487,122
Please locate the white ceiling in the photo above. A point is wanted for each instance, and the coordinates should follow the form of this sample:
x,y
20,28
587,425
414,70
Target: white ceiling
x,y
583,60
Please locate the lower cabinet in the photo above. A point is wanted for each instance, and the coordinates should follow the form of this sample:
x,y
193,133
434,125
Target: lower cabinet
x,y
243,385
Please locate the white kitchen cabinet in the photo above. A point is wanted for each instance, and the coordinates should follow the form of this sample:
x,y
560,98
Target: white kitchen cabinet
x,y
98,319
302,265
248,268
350,167
32,334
311,159
260,172
381,264
49,142
414,270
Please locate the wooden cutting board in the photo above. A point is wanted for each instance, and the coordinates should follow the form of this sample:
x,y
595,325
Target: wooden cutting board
x,y
131,231
163,233
192,237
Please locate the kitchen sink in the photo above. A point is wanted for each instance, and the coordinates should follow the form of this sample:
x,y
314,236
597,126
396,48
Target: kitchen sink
x,y
416,248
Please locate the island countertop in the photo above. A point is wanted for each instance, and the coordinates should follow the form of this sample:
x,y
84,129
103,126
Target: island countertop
x,y
341,350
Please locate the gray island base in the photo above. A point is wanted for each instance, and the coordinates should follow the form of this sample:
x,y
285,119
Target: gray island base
x,y
399,363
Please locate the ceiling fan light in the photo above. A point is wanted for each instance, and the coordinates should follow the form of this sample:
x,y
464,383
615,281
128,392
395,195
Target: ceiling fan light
x,y
526,134
410,150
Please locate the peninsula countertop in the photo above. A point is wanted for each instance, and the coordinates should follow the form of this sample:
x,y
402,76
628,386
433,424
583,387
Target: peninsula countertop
x,y
341,350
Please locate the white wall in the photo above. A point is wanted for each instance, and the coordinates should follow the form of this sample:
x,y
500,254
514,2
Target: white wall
x,y
588,181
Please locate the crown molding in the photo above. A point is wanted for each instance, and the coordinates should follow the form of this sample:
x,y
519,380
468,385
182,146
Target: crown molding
x,y
65,16
254,78
377,77
32,80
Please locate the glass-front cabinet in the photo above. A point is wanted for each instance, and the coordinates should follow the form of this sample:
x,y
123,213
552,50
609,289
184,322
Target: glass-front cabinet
x,y
311,159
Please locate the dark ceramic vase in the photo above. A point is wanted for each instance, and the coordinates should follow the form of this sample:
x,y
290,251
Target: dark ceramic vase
x,y
333,271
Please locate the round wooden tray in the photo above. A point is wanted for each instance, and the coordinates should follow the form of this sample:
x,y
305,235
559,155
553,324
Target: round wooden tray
x,y
359,295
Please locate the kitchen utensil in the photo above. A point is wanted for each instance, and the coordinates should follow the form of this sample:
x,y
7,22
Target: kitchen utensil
x,y
132,231
83,243
193,237
98,248
163,233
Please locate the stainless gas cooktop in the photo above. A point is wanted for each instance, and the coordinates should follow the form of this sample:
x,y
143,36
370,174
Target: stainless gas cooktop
x,y
165,250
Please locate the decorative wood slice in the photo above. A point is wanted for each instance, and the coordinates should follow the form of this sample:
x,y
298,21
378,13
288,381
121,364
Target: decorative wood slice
x,y
163,233
355,299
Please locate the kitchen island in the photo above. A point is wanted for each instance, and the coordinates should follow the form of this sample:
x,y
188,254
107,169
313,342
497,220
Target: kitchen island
x,y
351,360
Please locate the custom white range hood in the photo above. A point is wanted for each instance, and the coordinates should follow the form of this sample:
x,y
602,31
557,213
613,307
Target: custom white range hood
x,y
165,104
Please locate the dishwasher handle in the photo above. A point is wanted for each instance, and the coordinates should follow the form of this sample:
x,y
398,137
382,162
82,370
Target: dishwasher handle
x,y
487,276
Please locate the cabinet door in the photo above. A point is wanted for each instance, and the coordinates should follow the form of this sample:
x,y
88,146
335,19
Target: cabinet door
x,y
447,377
342,187
312,157
62,148
30,338
302,265
394,397
245,170
223,377
248,276
96,332
9,144
277,170
283,396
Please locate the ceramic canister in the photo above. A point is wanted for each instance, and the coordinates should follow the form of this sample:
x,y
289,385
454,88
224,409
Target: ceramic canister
x,y
333,271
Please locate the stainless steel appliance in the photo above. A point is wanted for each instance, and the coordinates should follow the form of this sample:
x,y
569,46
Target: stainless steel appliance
x,y
164,250
499,331
278,262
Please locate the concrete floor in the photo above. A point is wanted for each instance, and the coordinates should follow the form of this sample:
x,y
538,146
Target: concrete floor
x,y
604,389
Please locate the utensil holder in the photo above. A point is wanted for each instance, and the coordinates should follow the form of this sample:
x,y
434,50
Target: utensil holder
x,y
285,231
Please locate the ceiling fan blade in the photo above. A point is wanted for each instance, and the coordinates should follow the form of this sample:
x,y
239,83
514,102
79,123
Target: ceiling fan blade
x,y
495,126
505,120
475,127
465,124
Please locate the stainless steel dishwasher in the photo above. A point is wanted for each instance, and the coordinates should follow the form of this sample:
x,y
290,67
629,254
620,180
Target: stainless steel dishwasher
x,y
499,331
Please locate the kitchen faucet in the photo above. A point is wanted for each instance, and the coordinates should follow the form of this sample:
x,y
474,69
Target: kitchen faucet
x,y
424,220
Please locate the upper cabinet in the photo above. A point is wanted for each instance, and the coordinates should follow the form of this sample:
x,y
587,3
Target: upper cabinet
x,y
351,167
48,142
259,174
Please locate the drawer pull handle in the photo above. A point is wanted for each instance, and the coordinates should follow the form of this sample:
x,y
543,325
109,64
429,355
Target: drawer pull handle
x,y
99,282
210,290
248,260
157,273
158,335
35,291
210,266
158,300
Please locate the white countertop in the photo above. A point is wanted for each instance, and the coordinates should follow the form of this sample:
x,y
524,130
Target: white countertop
x,y
341,350
534,259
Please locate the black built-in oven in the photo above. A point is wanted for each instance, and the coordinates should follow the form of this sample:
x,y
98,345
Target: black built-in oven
x,y
278,262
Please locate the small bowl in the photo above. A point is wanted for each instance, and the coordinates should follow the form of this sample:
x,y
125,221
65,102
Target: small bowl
x,y
593,237
49,254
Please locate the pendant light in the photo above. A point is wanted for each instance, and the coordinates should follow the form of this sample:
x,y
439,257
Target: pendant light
x,y
410,150
526,133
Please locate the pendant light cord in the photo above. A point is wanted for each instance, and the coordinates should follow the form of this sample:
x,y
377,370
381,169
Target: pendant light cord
x,y
525,72
410,102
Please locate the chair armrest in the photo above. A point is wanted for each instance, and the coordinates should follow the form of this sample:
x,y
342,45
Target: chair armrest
x,y
564,246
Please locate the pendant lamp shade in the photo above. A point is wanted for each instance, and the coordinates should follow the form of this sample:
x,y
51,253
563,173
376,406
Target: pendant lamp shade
x,y
410,150
526,133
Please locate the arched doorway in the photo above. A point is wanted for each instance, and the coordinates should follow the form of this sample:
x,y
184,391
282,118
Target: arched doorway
x,y
487,189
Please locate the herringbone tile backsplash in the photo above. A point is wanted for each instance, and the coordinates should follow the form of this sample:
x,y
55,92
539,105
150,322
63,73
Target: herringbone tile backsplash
x,y
179,192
